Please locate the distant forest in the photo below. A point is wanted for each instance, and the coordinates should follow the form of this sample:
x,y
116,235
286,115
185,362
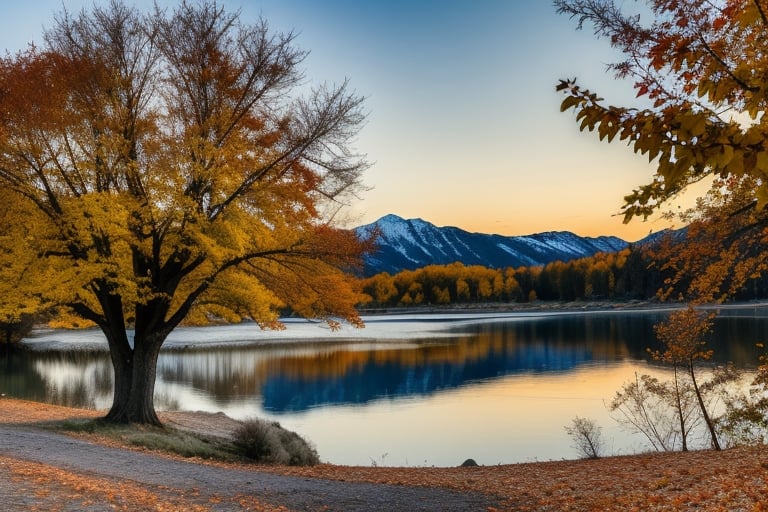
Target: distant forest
x,y
625,275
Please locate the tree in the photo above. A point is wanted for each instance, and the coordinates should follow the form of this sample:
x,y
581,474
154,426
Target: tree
x,y
721,251
702,66
745,421
381,288
683,335
642,406
667,411
178,176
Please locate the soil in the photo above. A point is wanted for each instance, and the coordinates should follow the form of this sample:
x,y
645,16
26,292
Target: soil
x,y
44,470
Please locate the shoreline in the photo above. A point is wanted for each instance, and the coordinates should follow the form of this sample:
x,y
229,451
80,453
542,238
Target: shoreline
x,y
515,307
732,479
551,307
414,323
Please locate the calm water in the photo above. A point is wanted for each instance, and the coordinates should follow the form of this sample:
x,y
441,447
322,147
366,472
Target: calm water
x,y
499,390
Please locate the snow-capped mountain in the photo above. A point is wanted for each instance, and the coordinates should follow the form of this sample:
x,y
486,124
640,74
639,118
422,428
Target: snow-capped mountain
x,y
413,243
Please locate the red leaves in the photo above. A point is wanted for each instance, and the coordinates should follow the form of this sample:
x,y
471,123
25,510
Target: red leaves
x,y
719,23
657,53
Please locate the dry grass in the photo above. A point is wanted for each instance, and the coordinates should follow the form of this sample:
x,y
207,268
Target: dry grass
x,y
705,480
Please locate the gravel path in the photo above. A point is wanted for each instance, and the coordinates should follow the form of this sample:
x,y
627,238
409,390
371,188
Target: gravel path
x,y
203,484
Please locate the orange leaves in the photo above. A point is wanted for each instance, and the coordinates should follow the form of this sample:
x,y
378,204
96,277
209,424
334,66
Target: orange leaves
x,y
31,86
722,250
702,67
683,335
702,480
193,163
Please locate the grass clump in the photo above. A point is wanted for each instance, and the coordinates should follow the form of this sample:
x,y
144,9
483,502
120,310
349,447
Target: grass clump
x,y
163,439
268,442
255,440
181,443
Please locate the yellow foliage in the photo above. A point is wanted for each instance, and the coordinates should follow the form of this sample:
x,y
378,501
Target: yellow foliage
x,y
22,281
138,200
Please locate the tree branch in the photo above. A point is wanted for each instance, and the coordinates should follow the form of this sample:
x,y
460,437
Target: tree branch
x,y
725,67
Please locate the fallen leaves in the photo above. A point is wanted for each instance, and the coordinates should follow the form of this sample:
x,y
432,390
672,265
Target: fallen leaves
x,y
735,479
706,480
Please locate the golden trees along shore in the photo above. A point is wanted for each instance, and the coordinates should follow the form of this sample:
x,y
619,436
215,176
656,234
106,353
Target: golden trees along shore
x,y
174,174
627,274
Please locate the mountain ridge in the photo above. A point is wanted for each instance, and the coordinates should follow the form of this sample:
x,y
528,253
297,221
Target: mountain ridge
x,y
408,244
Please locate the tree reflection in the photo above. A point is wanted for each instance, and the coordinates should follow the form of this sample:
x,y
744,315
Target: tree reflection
x,y
296,377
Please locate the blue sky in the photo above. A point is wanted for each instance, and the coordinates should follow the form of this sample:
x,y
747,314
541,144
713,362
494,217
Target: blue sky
x,y
463,125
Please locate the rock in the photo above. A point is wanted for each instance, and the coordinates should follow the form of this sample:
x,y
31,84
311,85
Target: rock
x,y
469,463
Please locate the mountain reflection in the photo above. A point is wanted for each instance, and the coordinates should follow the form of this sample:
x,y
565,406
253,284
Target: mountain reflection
x,y
489,351
296,377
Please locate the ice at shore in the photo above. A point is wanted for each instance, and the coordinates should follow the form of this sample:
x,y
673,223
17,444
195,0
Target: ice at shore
x,y
377,328
384,328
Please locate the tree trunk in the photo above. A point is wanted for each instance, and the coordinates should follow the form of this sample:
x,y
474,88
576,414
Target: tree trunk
x,y
140,407
121,355
134,375
704,413
122,366
681,417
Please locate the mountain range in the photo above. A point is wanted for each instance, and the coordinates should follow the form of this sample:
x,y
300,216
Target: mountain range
x,y
408,244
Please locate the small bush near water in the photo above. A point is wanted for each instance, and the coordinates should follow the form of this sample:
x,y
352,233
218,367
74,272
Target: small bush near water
x,y
268,442
587,437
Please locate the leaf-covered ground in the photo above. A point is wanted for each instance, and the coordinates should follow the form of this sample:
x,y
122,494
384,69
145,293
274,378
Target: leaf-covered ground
x,y
731,480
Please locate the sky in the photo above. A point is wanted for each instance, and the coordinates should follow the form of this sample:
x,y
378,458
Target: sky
x,y
464,126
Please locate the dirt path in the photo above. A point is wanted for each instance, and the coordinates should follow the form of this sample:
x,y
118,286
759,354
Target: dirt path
x,y
50,472
121,476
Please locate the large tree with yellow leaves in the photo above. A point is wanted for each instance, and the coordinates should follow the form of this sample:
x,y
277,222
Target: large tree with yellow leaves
x,y
176,175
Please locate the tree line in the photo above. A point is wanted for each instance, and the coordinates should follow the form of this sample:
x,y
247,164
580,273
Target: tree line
x,y
632,273
627,274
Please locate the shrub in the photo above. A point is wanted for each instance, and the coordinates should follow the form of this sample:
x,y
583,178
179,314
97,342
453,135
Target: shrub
x,y
270,443
586,436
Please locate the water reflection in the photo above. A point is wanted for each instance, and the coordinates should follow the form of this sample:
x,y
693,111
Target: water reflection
x,y
296,377
343,376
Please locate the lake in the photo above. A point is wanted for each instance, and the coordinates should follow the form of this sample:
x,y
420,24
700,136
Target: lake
x,y
408,390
